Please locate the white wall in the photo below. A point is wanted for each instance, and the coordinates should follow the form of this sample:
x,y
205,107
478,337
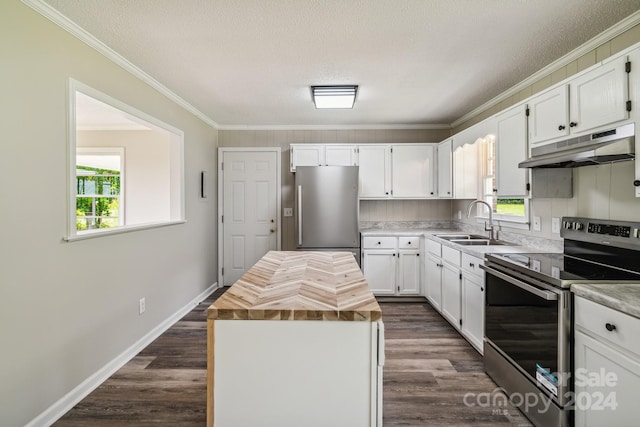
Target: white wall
x,y
147,171
602,192
60,321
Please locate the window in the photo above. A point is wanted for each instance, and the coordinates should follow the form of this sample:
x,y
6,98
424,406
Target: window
x,y
107,193
504,209
99,201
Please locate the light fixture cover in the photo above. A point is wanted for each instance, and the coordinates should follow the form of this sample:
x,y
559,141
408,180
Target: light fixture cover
x,y
334,96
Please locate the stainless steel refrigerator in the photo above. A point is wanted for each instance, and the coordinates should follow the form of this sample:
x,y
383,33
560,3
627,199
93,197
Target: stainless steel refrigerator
x,y
327,209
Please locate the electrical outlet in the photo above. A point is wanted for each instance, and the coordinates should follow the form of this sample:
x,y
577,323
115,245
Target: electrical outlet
x,y
555,225
536,223
142,306
288,212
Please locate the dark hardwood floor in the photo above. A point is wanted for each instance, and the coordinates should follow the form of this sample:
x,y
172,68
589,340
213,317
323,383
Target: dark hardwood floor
x,y
429,370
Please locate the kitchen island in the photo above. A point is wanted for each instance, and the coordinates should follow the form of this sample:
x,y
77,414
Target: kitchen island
x,y
297,340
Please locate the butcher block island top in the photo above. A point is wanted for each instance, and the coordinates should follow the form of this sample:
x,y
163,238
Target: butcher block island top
x,y
299,286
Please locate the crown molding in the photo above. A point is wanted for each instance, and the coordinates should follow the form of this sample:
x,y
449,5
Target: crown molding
x,y
74,29
607,35
336,127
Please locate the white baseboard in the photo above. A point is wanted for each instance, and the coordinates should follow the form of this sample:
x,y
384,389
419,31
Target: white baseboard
x,y
62,406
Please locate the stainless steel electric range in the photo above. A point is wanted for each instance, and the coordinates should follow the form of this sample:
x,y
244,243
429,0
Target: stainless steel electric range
x,y
528,344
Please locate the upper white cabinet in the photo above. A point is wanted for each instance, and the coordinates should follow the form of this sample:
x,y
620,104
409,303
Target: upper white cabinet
x,y
412,171
375,171
466,173
511,149
590,101
323,155
445,165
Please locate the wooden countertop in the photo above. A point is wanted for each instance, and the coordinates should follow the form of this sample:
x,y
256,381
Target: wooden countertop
x,y
299,286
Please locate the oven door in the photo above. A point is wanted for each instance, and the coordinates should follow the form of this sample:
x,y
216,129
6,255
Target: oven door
x,y
528,322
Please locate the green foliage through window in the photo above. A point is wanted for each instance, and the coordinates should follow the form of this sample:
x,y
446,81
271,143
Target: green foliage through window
x,y
98,198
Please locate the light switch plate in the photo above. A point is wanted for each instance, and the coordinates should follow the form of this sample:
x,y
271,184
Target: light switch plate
x,y
459,214
536,223
288,211
555,225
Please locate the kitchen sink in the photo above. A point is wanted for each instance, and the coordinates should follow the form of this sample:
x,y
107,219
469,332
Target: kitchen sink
x,y
461,236
477,242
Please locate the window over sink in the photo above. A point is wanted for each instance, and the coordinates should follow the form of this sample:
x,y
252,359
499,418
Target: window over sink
x,y
504,209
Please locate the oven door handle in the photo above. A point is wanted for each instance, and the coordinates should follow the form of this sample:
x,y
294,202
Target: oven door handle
x,y
547,295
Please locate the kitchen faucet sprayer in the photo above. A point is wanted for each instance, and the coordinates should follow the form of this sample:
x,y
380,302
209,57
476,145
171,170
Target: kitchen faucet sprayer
x,y
490,228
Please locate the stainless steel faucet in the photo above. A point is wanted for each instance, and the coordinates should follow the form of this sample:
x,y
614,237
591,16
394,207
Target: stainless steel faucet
x,y
490,228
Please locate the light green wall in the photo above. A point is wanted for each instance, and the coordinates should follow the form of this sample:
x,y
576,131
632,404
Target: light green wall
x,y
67,309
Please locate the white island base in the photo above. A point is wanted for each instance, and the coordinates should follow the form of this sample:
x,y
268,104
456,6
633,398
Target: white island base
x,y
296,373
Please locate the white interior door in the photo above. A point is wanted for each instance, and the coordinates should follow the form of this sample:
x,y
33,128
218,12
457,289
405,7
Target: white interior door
x,y
250,206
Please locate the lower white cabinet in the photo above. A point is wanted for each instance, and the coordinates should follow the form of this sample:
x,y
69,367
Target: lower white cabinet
x,y
392,265
607,366
379,267
472,301
451,290
433,281
454,286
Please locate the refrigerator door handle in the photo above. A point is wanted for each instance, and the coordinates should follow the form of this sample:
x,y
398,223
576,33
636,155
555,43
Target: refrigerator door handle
x,y
299,215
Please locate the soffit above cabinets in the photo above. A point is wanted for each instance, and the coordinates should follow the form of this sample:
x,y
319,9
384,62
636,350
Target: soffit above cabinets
x,y
417,62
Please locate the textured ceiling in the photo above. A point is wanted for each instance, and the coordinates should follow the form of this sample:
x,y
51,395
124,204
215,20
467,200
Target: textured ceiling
x,y
251,62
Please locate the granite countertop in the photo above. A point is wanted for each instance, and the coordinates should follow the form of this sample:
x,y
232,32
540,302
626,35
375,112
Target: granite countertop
x,y
621,297
478,251
299,286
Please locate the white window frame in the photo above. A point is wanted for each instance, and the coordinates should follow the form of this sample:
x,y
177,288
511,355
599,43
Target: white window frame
x,y
178,214
509,221
108,151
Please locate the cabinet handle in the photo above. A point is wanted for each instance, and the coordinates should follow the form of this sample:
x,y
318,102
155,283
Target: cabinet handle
x,y
636,183
482,289
573,124
610,327
471,264
561,127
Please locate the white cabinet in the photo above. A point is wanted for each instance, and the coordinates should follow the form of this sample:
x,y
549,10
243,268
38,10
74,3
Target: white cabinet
x,y
451,289
466,174
375,171
607,366
323,155
451,285
445,164
379,267
472,301
590,101
548,115
511,149
599,97
412,170
392,265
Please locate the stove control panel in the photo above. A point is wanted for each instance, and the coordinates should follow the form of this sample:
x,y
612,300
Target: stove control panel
x,y
623,234
610,230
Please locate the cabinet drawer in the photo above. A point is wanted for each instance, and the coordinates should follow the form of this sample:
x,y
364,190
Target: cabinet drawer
x,y
379,242
434,247
450,255
472,264
594,318
409,242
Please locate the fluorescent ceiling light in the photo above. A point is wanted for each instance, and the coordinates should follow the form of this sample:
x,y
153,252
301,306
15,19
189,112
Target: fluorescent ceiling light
x,y
334,96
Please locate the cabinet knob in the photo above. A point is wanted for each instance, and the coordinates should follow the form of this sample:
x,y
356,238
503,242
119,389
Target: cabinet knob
x,y
573,124
561,127
636,183
379,243
610,327
408,243
431,193
387,193
482,289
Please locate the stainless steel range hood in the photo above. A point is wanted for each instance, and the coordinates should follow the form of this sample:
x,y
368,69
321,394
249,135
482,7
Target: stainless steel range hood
x,y
610,146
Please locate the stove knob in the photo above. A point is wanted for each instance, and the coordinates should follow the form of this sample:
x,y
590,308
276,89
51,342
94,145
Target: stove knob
x,y
578,226
566,225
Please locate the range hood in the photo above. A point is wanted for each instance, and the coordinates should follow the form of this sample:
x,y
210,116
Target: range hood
x,y
610,146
